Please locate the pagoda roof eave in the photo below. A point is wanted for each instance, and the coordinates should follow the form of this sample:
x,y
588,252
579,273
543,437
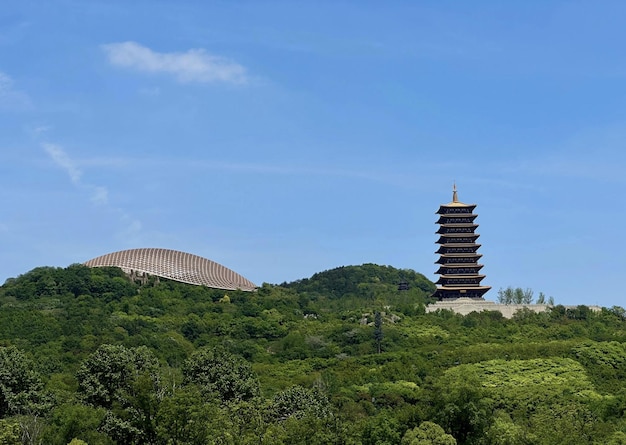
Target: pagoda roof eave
x,y
455,205
460,234
460,215
460,265
469,275
456,233
486,288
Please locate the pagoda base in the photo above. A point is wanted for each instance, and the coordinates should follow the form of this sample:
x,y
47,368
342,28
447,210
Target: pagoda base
x,y
465,306
443,294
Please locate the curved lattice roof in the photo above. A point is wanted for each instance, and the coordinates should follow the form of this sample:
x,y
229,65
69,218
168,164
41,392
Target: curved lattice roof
x,y
175,265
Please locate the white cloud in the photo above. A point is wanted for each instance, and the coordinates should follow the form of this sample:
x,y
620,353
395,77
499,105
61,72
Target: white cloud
x,y
131,231
134,226
99,194
154,91
10,98
42,129
194,65
61,158
6,83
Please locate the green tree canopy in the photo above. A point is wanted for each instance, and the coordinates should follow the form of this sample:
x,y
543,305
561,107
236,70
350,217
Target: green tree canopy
x,y
127,383
297,402
221,374
108,375
21,389
428,433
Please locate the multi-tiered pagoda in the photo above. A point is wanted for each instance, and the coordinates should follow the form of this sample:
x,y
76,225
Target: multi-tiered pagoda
x,y
458,262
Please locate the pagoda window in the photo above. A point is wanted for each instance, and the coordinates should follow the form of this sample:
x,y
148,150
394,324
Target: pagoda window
x,y
459,271
450,210
453,220
460,249
450,281
457,260
458,241
459,229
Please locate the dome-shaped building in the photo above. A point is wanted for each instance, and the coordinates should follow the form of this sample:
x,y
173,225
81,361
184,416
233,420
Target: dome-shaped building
x,y
174,265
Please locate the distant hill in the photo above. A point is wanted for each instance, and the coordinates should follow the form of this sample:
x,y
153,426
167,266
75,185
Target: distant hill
x,y
365,281
344,356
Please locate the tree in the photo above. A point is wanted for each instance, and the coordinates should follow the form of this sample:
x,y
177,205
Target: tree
x,y
10,433
462,408
525,296
108,375
127,383
184,418
505,296
309,431
541,299
618,438
381,430
31,426
21,390
504,432
515,296
221,374
75,420
378,330
428,433
567,422
298,402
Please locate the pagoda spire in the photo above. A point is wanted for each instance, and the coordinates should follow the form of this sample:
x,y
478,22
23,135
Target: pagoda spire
x,y
455,196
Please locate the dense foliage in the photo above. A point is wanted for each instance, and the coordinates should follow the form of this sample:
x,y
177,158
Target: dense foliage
x,y
348,356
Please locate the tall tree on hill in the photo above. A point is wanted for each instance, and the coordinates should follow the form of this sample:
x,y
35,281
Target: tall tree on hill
x,y
378,330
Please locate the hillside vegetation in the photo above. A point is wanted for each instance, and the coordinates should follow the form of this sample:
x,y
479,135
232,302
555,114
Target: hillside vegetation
x,y
343,357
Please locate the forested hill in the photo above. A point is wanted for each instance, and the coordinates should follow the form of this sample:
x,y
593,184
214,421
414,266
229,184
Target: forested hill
x,y
343,357
366,281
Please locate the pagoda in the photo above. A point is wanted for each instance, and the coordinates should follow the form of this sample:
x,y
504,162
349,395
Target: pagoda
x,y
458,258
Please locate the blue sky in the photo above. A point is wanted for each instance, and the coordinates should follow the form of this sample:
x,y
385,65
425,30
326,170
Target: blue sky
x,y
281,139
